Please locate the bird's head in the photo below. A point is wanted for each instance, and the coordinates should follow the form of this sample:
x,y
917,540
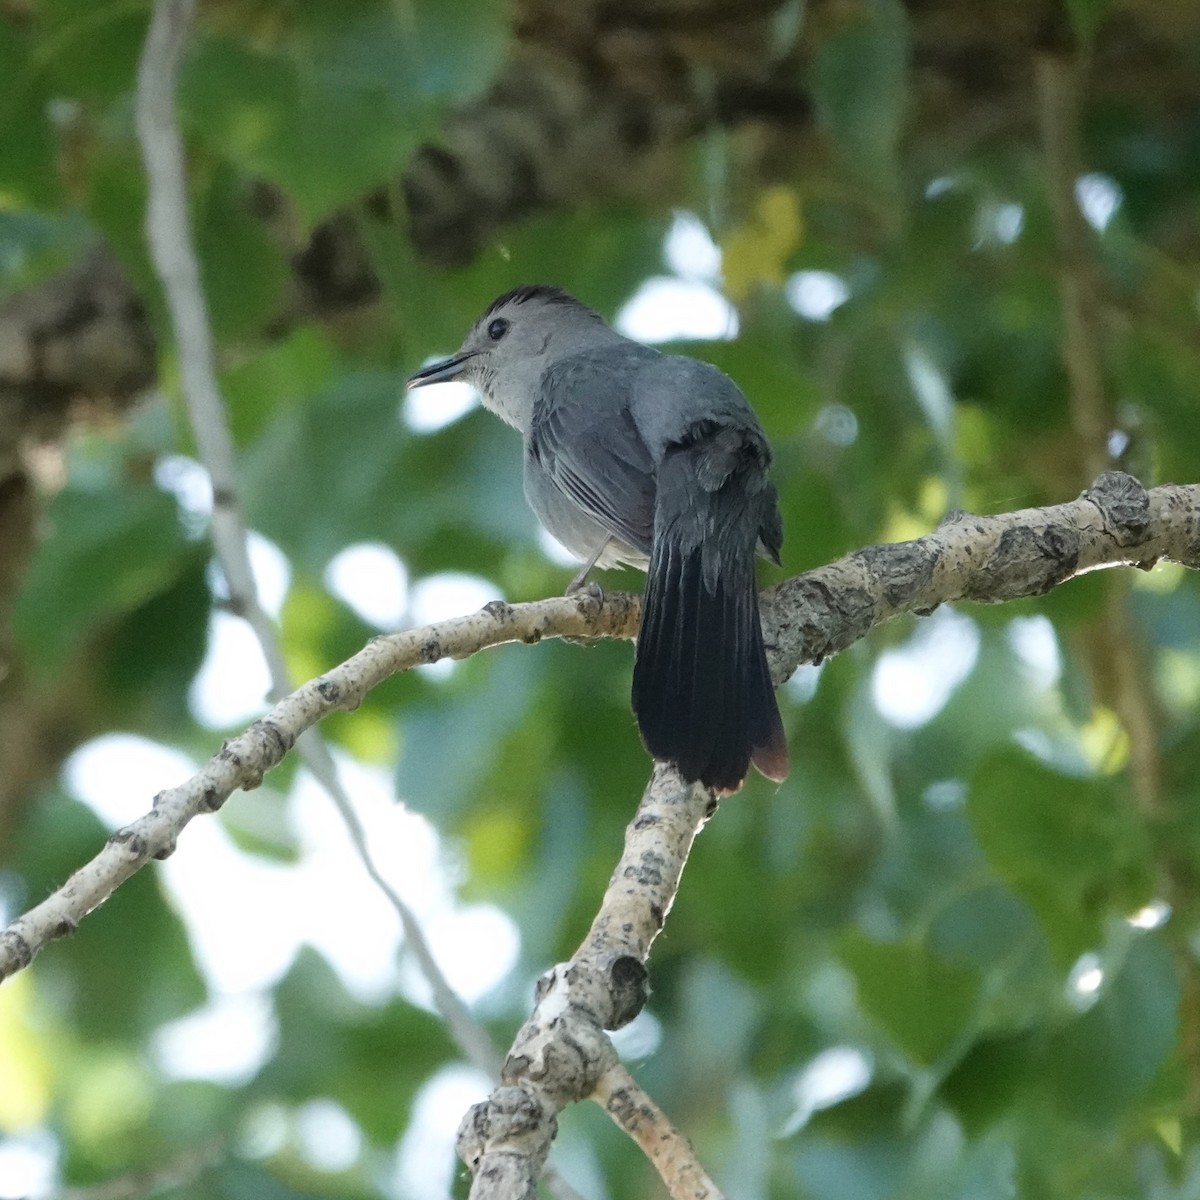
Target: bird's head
x,y
510,346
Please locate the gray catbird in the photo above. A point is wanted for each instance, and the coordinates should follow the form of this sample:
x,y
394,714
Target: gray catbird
x,y
633,456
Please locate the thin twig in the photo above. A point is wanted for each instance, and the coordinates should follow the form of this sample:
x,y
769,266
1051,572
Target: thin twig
x,y
622,1097
169,234
472,1039
140,1185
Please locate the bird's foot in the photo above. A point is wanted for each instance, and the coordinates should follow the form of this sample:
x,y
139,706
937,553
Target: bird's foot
x,y
589,588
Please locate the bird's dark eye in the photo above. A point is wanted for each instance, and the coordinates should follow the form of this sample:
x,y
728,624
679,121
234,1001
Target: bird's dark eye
x,y
497,329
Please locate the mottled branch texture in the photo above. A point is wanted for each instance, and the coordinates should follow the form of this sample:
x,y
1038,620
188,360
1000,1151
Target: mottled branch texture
x,y
562,1053
623,1098
242,761
1116,522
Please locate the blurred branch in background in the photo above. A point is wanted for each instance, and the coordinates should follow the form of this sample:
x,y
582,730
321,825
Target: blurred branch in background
x,y
142,1185
1118,661
1080,285
169,234
1114,644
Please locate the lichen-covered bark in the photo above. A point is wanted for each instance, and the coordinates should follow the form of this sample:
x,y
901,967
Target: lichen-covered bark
x,y
984,559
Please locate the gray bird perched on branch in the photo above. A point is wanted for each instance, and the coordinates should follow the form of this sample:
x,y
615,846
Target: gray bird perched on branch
x,y
658,461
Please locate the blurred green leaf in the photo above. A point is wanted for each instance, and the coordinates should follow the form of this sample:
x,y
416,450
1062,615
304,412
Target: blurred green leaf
x,y
34,245
104,554
1101,1063
472,719
263,828
993,1077
282,113
27,174
1070,847
924,1002
238,1179
331,1045
243,271
120,1002
340,467
859,82
90,51
157,648
1087,15
280,375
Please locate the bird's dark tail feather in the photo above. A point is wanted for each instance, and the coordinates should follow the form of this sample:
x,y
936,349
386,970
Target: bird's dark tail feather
x,y
702,692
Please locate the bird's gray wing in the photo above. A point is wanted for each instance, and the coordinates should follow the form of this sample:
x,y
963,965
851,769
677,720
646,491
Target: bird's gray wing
x,y
585,440
683,403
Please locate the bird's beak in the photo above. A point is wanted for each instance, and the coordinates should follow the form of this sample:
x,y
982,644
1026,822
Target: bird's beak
x,y
440,372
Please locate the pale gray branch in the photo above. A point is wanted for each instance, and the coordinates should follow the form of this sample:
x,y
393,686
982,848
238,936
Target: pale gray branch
x,y
243,760
623,1098
1116,522
169,234
562,1053
1026,553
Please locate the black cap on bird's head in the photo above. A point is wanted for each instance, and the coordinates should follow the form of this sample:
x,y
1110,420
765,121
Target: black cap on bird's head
x,y
494,326
509,345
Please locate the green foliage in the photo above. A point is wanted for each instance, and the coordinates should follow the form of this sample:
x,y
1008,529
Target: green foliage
x,y
119,1004
34,245
923,1004
279,107
333,1047
994,906
1102,1063
859,85
120,548
1071,848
